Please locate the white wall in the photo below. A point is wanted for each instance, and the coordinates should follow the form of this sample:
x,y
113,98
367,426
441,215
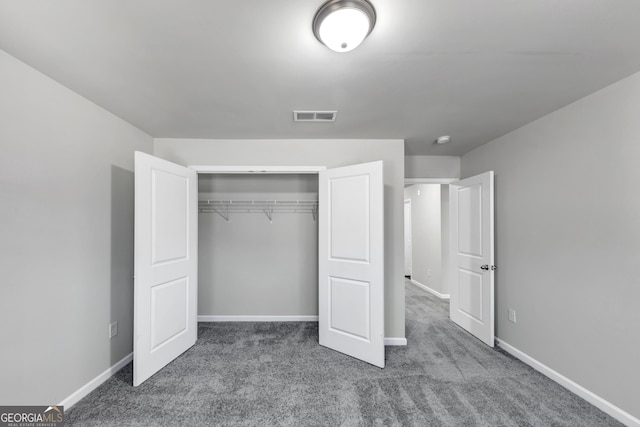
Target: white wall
x,y
426,232
568,240
432,167
250,265
66,237
330,153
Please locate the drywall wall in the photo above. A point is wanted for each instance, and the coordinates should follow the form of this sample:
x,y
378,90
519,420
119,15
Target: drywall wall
x,y
568,240
444,217
330,153
66,245
250,265
426,233
408,250
432,167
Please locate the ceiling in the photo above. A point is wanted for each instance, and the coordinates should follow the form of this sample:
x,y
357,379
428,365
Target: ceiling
x,y
474,70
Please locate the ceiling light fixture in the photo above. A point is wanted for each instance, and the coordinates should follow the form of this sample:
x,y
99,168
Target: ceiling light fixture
x,y
443,139
342,25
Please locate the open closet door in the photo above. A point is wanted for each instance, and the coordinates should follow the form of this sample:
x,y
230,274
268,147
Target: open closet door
x,y
166,264
351,261
471,256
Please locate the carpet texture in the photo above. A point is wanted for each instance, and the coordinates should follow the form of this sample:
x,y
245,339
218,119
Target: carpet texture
x,y
276,374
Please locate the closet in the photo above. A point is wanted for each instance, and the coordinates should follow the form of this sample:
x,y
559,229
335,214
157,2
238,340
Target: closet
x,y
257,247
263,245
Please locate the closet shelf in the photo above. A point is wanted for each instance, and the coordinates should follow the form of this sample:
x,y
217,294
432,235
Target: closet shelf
x,y
225,207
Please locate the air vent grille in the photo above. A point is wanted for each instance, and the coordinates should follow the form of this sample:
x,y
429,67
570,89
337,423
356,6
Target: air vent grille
x,y
314,116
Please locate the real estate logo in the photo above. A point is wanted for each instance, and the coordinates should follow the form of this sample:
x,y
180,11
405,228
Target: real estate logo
x,y
31,416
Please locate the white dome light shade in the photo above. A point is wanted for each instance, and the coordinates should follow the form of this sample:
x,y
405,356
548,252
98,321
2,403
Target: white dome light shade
x,y
344,29
342,25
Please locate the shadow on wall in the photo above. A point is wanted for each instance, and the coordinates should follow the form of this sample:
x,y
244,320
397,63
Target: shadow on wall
x,y
122,223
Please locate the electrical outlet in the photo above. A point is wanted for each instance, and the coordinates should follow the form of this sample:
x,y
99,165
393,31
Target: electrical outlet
x,y
429,272
113,329
512,315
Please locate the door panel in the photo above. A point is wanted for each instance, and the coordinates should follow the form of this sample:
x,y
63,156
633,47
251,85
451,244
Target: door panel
x,y
472,257
470,293
169,216
350,307
168,311
349,220
470,220
165,293
351,261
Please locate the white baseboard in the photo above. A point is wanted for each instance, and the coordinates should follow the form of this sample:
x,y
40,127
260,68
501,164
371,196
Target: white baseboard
x,y
395,341
224,318
604,405
428,289
83,391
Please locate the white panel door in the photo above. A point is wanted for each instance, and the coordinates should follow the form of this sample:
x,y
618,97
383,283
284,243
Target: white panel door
x,y
472,263
351,261
166,264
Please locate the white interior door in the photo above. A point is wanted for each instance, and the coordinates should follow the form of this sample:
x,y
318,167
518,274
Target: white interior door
x,y
351,261
166,263
408,248
472,262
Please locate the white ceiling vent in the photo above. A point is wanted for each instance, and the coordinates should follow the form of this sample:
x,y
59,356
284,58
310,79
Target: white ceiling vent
x,y
314,116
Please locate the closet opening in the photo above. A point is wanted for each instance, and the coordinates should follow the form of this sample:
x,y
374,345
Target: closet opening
x,y
257,246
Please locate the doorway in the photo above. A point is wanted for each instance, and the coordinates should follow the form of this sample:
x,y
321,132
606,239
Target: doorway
x,y
428,201
350,262
464,253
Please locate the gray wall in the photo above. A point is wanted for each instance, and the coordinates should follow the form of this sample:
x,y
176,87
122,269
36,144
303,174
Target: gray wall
x,y
432,167
330,153
568,240
444,216
426,234
66,237
249,265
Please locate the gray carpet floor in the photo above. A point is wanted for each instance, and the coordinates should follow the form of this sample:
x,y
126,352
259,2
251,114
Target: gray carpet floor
x,y
276,374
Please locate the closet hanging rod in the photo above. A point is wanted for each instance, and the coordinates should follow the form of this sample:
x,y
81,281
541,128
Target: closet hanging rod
x,y
243,204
